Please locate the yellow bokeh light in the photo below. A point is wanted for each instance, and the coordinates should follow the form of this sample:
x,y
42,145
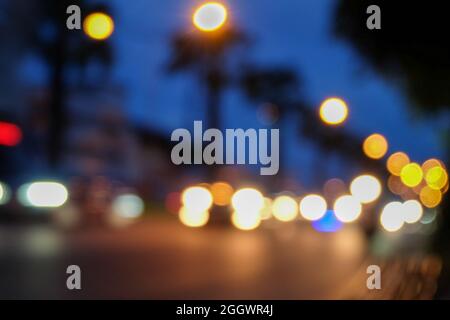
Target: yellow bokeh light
x,y
412,211
436,178
210,16
222,193
313,207
431,163
365,188
197,199
429,197
391,217
246,220
411,175
333,111
396,162
266,211
284,208
347,209
98,26
375,146
247,200
194,218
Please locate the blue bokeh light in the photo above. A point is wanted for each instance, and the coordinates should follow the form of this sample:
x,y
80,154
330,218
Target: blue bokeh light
x,y
328,223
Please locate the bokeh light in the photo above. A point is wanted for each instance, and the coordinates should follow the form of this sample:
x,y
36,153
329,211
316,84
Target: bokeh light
x,y
266,211
429,197
5,193
334,188
246,220
431,163
210,16
98,26
391,217
328,223
396,186
194,219
128,206
412,211
375,146
284,208
313,207
347,209
247,200
365,188
43,194
333,111
411,175
197,199
436,178
396,162
10,134
222,193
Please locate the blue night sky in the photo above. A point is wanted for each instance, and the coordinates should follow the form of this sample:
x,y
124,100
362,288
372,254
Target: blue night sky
x,y
289,33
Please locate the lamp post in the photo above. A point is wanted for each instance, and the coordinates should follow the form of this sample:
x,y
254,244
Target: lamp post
x,y
209,19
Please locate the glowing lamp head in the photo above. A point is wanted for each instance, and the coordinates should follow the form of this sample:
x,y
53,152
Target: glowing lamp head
x,y
98,26
333,111
210,16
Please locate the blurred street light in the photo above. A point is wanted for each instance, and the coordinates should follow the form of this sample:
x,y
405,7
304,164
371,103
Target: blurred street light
x,y
333,111
192,218
5,193
247,200
391,217
313,207
221,193
210,16
412,211
246,220
396,162
347,209
375,146
98,26
197,199
411,175
128,206
429,197
365,188
43,194
284,208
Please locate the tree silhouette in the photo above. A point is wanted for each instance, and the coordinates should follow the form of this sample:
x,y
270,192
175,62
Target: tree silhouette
x,y
412,50
45,32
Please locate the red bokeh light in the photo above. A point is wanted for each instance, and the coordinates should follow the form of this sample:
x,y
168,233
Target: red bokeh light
x,y
10,134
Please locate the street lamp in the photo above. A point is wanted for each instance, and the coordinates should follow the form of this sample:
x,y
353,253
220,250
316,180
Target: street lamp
x,y
210,16
98,26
